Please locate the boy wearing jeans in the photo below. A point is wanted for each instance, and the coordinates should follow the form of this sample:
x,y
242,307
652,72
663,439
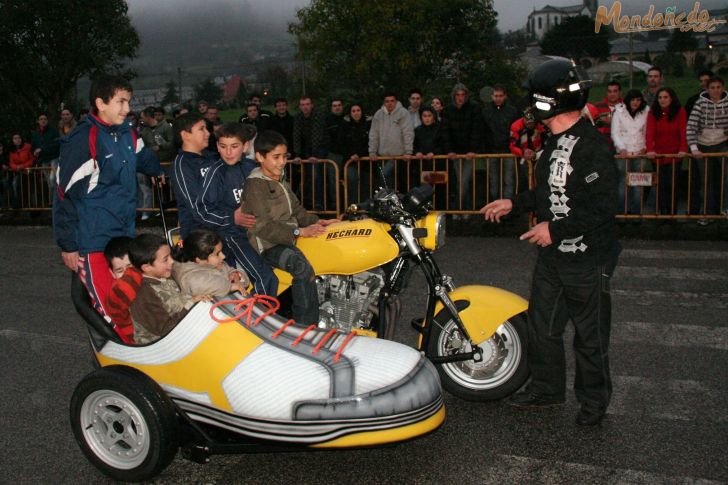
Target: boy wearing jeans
x,y
279,220
218,204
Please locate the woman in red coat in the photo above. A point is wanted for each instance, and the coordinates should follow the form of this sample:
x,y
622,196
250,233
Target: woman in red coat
x,y
20,158
666,126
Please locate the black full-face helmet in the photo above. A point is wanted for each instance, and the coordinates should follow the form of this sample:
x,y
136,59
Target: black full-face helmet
x,y
557,86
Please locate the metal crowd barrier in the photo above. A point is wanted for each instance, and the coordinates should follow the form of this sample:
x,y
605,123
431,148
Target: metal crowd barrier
x,y
684,188
672,186
462,184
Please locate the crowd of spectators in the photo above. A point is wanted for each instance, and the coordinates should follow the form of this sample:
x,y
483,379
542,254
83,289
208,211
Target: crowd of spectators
x,y
404,140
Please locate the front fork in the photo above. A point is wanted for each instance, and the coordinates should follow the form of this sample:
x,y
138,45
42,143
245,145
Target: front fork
x,y
439,286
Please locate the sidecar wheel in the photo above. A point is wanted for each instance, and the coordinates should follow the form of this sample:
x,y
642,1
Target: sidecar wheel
x,y
124,423
502,371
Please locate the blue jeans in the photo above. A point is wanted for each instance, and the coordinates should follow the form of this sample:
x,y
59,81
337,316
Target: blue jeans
x,y
505,177
16,180
462,169
358,176
236,244
304,292
709,178
5,189
144,192
625,165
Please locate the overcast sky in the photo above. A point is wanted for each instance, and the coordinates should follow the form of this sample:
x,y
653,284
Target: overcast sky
x,y
512,14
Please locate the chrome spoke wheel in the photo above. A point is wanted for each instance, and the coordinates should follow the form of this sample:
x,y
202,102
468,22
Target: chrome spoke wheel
x,y
500,372
124,423
115,429
501,354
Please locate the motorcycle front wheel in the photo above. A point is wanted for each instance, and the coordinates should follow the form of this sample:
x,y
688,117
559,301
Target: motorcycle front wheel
x,y
502,371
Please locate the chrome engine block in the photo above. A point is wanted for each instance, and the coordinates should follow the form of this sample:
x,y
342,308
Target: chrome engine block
x,y
348,302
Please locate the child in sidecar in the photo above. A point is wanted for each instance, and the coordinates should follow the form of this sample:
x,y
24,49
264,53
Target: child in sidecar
x,y
159,304
233,373
200,267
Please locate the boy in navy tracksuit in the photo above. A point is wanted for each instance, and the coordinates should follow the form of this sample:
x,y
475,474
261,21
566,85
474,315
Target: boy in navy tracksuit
x,y
189,169
95,198
218,204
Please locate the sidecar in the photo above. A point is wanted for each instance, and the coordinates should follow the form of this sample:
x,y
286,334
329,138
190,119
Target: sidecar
x,y
234,377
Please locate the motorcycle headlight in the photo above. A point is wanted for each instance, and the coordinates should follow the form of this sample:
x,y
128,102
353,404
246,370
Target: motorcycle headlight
x,y
434,223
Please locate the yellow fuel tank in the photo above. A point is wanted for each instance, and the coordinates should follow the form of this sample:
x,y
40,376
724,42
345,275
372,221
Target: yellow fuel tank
x,y
350,247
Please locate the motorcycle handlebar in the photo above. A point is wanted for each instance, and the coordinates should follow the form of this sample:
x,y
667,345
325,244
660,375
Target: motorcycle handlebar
x,y
382,205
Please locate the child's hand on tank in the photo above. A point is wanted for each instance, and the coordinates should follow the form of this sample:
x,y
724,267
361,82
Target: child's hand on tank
x,y
234,276
326,222
197,298
313,230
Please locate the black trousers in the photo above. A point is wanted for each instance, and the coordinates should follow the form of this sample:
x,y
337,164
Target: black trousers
x,y
305,295
578,292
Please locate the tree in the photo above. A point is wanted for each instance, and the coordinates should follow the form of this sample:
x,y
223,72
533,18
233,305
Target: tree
x,y
575,38
277,78
682,41
375,45
241,95
209,91
170,96
515,41
47,46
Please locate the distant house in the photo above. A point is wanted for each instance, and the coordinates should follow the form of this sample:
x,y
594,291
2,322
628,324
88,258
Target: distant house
x,y
542,20
711,47
231,86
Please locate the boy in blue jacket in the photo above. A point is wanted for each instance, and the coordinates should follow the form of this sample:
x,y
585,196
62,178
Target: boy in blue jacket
x,y
95,199
189,168
218,204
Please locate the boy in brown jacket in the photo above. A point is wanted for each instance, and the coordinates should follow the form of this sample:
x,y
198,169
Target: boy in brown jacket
x,y
280,220
159,305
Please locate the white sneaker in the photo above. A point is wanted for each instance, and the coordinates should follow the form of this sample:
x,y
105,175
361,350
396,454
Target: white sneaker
x,y
280,381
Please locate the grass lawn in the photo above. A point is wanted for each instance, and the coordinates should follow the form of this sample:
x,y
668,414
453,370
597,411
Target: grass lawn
x,y
684,86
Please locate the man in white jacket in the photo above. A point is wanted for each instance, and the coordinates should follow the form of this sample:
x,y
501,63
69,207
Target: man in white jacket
x,y
391,135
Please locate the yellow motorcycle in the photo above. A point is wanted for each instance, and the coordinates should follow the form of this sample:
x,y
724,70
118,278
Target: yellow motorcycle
x,y
474,334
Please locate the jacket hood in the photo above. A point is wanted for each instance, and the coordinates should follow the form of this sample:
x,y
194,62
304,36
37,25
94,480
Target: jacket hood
x,y
459,87
257,173
397,107
722,99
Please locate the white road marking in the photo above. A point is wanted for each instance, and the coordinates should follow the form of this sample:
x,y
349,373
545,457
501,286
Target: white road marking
x,y
671,399
652,273
17,334
670,334
676,298
673,254
534,470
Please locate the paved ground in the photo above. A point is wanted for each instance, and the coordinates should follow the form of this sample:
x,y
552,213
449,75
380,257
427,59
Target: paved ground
x,y
668,422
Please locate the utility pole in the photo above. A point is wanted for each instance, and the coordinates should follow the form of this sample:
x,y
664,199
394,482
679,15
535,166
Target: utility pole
x,y
631,70
303,76
179,85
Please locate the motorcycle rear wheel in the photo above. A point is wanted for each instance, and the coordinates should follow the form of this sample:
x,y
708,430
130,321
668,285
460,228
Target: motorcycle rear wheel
x,y
502,371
